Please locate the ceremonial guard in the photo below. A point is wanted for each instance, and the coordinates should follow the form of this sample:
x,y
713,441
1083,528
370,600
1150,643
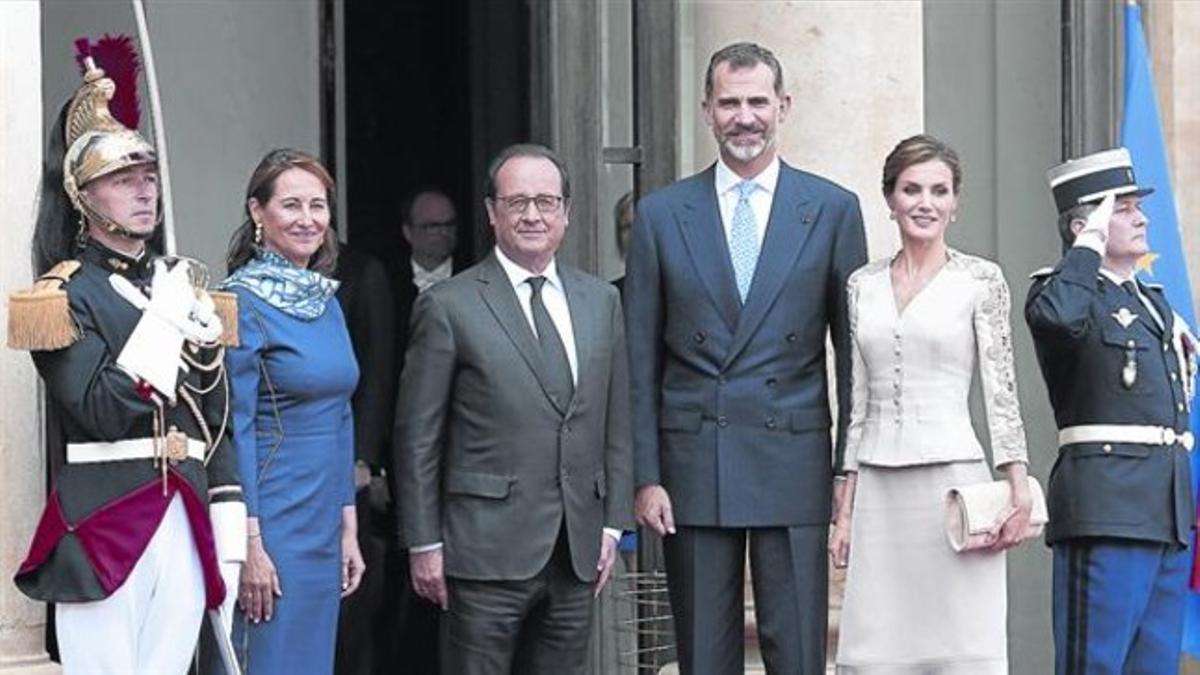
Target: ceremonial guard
x,y
1118,364
131,350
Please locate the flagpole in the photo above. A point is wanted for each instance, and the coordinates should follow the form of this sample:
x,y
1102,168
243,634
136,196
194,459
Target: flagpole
x,y
160,136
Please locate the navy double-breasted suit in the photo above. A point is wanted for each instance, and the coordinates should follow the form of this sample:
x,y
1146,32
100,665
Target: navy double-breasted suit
x,y
730,400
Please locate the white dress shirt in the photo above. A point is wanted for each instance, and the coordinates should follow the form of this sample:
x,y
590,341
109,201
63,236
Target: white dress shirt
x,y
423,278
1113,277
554,297
760,200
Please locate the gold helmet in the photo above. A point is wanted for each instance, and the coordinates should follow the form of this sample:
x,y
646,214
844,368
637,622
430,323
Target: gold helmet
x,y
97,144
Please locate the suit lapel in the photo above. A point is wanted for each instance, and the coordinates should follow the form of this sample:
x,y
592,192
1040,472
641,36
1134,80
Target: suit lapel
x,y
704,238
581,303
792,216
501,300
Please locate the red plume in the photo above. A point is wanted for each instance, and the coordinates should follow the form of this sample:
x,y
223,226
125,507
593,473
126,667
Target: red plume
x,y
116,55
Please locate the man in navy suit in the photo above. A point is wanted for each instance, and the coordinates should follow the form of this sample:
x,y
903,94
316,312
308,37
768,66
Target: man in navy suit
x,y
735,276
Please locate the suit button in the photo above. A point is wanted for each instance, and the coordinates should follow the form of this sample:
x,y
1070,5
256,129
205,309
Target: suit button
x,y
1174,376
770,422
722,421
791,337
1179,407
1107,447
771,382
1166,346
699,336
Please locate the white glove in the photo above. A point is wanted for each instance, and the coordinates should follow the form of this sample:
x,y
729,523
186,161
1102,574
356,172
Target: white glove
x,y
171,294
194,317
1094,234
204,325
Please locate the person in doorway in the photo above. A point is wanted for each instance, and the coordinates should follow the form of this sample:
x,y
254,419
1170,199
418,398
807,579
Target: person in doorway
x,y
623,213
365,296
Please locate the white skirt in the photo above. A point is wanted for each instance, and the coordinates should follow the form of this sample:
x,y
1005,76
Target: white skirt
x,y
913,605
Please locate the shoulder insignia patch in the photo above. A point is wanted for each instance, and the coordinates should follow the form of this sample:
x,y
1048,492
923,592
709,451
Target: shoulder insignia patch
x,y
39,319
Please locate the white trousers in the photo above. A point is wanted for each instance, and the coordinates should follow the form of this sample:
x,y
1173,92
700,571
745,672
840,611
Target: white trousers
x,y
149,626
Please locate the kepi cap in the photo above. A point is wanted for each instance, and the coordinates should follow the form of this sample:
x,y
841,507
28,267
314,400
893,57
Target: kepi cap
x,y
1093,177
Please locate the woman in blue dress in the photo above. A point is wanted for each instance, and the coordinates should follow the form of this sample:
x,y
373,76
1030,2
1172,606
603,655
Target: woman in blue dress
x,y
292,377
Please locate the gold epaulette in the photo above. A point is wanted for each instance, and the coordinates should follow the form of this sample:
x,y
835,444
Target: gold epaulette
x,y
39,319
226,307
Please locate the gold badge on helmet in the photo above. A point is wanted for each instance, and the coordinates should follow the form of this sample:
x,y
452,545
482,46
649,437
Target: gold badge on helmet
x,y
97,144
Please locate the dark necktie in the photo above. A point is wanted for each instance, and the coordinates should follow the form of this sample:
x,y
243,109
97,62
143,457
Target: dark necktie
x,y
1130,289
554,355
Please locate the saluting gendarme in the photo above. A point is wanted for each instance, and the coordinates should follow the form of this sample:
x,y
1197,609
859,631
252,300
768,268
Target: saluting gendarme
x,y
1115,359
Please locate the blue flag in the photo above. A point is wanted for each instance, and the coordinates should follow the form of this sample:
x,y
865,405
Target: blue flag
x,y
1166,264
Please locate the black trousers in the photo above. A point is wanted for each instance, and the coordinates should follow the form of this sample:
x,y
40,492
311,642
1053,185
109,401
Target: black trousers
x,y
537,626
706,577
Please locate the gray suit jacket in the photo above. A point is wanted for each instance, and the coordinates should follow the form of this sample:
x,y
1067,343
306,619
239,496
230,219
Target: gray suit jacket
x,y
486,462
730,402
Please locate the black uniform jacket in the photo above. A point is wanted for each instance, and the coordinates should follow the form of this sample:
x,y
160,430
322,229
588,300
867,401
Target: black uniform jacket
x,y
1085,339
100,516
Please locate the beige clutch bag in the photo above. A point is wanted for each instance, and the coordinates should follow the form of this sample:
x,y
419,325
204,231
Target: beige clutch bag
x,y
975,511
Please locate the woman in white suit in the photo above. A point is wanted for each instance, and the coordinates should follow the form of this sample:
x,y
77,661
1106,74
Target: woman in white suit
x,y
920,322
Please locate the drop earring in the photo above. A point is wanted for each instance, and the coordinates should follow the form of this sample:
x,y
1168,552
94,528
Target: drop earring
x,y
258,234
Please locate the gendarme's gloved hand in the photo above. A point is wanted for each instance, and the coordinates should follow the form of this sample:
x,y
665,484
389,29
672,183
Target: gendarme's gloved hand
x,y
204,326
1098,219
171,294
173,298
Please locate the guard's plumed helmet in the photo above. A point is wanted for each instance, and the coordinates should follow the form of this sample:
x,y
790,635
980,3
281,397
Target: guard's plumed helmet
x,y
97,144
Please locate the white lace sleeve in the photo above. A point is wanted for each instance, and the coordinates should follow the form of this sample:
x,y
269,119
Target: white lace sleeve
x,y
993,338
858,379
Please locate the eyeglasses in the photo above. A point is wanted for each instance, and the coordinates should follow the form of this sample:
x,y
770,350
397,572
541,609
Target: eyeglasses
x,y
516,204
443,225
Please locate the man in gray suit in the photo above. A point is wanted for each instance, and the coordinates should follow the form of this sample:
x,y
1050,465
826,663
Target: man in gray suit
x,y
733,279
513,453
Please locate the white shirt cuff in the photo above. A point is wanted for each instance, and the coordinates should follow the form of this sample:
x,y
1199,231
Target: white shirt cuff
x,y
614,532
426,548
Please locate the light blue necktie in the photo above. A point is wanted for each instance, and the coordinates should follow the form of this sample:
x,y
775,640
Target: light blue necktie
x,y
743,239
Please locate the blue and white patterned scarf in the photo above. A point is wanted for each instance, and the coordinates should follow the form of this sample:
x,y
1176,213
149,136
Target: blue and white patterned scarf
x,y
296,291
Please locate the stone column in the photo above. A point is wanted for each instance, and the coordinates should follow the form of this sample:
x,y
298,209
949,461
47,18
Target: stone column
x,y
22,621
1176,60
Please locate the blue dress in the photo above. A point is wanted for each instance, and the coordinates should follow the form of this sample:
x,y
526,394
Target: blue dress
x,y
292,429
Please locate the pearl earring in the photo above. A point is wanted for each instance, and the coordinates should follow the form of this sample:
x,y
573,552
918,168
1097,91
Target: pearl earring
x,y
258,234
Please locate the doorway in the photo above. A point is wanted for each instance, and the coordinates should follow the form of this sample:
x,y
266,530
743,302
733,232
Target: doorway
x,y
432,89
